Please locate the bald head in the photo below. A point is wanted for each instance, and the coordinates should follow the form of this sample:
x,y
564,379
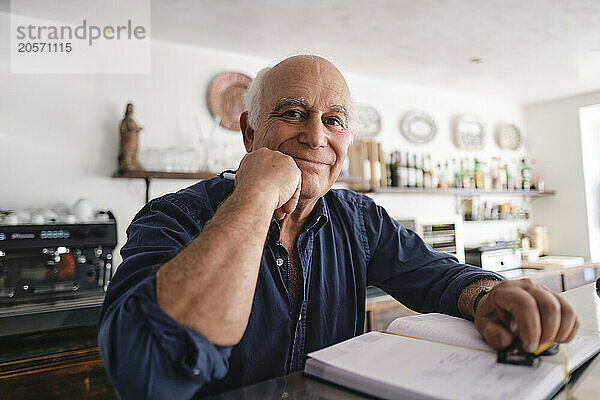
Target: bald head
x,y
310,67
301,107
284,78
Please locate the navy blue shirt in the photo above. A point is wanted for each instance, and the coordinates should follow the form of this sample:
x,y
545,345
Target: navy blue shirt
x,y
348,242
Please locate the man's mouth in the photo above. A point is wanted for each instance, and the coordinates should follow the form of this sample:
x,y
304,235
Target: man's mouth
x,y
308,160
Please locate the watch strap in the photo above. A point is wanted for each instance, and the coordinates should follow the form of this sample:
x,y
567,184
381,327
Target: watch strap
x,y
480,296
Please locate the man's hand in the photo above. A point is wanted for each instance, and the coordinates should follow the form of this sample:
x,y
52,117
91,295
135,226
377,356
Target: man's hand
x,y
527,309
273,173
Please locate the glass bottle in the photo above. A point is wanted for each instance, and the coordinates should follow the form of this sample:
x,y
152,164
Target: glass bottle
x,y
412,171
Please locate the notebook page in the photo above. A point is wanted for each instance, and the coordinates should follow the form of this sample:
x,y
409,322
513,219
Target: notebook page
x,y
580,349
440,328
436,370
455,331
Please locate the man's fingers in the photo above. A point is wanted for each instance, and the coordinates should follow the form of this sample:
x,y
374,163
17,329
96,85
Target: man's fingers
x,y
528,310
568,323
494,334
524,309
573,331
550,313
292,203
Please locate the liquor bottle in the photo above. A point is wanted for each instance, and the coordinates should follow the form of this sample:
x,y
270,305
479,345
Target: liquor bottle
x,y
418,172
487,177
454,175
470,174
427,172
436,174
464,174
494,172
444,182
525,174
503,176
412,172
478,174
516,174
510,183
403,169
393,167
459,175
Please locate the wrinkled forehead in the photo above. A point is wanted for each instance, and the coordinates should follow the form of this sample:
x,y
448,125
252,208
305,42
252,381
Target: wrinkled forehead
x,y
311,78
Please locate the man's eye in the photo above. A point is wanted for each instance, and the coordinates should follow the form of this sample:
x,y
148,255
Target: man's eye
x,y
333,121
292,114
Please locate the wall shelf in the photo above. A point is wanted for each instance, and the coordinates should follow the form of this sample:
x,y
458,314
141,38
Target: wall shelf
x,y
506,221
165,175
148,176
464,192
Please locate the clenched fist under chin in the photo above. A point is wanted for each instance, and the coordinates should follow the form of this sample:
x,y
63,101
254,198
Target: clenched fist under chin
x,y
273,174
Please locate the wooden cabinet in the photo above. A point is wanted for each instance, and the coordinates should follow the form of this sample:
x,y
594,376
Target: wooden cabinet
x,y
552,282
73,374
383,309
579,277
58,364
379,316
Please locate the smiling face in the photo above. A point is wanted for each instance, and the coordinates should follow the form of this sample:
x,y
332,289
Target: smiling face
x,y
304,114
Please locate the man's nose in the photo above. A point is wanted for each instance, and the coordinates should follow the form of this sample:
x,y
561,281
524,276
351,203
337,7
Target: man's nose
x,y
314,132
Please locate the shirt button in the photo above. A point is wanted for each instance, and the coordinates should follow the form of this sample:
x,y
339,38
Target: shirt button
x,y
279,262
196,371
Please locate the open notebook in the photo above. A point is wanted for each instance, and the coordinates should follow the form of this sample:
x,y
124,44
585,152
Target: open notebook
x,y
435,356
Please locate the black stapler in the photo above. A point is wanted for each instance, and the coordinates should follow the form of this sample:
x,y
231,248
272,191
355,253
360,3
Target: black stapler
x,y
514,354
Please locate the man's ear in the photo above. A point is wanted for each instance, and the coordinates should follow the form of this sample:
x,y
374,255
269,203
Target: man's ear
x,y
247,131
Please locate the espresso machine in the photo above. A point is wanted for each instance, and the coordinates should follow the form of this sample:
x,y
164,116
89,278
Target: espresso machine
x,y
54,269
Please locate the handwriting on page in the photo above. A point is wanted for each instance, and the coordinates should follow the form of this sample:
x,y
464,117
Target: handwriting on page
x,y
439,370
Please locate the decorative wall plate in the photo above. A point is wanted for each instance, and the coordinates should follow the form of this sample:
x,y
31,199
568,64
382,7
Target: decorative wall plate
x,y
368,121
509,137
419,127
225,98
470,133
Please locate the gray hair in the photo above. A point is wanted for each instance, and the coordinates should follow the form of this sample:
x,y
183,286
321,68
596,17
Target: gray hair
x,y
253,96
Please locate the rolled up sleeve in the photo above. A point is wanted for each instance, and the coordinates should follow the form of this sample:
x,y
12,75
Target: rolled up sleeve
x,y
146,353
411,271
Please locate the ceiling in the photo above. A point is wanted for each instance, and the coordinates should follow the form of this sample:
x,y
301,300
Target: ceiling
x,y
530,50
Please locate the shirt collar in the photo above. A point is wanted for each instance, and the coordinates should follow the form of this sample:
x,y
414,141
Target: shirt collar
x,y
319,215
317,218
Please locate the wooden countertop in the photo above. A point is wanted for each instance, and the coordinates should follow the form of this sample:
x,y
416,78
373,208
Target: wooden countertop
x,y
378,298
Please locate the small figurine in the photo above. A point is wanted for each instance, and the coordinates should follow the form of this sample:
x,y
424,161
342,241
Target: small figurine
x,y
129,142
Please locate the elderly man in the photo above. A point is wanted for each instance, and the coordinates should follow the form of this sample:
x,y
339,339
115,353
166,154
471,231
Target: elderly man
x,y
232,281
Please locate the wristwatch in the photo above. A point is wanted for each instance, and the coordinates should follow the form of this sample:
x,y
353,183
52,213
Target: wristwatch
x,y
483,292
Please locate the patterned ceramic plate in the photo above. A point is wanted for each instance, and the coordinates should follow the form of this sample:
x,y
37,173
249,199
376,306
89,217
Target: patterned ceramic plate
x,y
509,137
369,122
470,133
419,127
225,98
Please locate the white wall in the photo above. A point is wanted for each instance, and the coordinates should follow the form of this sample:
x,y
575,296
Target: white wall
x,y
59,133
590,139
556,142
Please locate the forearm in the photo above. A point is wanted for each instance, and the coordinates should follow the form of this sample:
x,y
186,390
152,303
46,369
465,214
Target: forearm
x,y
147,355
467,297
209,285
